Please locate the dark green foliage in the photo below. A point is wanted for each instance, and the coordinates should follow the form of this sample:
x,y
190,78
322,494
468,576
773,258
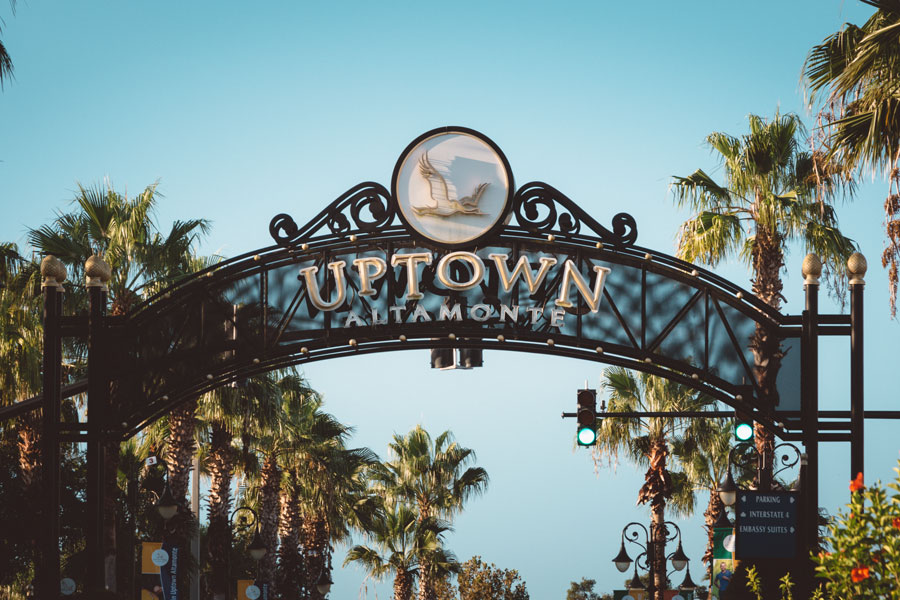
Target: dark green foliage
x,y
21,522
584,590
479,581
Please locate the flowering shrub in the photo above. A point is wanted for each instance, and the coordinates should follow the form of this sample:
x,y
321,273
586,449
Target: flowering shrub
x,y
863,560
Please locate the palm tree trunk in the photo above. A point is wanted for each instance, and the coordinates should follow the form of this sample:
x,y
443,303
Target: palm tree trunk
x,y
29,450
426,578
714,508
221,467
182,424
290,563
656,490
268,517
768,259
315,540
658,545
403,585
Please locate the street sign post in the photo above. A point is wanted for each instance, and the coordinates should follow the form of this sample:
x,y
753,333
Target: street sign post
x,y
766,525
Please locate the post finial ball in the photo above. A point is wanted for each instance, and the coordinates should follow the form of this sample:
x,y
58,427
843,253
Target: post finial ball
x,y
812,269
53,271
97,271
856,268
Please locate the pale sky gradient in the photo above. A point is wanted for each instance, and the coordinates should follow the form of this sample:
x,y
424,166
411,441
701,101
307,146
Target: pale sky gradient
x,y
245,110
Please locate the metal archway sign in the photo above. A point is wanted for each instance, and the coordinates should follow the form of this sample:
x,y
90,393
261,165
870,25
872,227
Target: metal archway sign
x,y
452,256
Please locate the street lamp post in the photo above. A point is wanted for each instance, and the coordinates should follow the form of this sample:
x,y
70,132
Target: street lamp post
x,y
742,455
257,547
679,560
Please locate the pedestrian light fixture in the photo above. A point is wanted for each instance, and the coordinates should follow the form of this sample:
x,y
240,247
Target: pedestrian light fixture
x,y
323,585
587,417
679,558
166,504
622,560
636,583
688,583
257,547
728,490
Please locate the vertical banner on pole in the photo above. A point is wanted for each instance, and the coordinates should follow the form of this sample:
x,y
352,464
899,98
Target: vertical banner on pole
x,y
723,561
247,589
169,572
151,586
159,571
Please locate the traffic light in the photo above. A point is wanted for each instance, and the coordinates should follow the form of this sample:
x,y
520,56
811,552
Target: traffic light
x,y
470,358
743,427
587,417
442,358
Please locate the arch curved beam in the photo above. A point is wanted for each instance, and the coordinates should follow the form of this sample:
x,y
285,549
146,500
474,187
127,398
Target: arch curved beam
x,y
258,311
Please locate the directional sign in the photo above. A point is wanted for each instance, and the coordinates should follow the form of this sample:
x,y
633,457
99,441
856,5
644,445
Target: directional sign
x,y
766,525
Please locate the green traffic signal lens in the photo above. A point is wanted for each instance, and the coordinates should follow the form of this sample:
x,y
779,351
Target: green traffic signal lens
x,y
587,436
743,431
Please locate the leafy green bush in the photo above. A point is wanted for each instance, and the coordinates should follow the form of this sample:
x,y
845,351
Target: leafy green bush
x,y
863,545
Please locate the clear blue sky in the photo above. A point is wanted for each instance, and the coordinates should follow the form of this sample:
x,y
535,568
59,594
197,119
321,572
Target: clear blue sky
x,y
245,110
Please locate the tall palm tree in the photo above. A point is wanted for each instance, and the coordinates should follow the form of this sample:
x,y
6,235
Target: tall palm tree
x,y
20,372
647,441
774,192
703,458
123,232
20,352
853,74
6,66
222,415
301,450
400,541
333,497
433,476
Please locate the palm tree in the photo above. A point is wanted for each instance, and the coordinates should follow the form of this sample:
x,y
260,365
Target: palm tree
x,y
646,441
20,371
703,458
6,66
854,74
122,231
333,499
401,540
221,418
308,485
431,475
774,193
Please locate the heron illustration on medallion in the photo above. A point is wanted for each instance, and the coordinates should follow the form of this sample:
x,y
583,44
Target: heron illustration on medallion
x,y
444,205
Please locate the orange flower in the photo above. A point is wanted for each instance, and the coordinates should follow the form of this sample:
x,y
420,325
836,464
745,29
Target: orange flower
x,y
859,573
896,522
857,484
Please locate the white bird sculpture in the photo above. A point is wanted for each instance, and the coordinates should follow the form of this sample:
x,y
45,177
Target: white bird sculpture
x,y
444,205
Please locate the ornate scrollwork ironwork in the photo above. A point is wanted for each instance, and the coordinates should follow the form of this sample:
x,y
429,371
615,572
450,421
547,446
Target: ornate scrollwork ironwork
x,y
786,455
541,208
366,207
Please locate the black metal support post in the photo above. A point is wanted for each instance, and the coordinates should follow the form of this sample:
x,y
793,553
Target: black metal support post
x,y
49,565
98,391
857,404
810,424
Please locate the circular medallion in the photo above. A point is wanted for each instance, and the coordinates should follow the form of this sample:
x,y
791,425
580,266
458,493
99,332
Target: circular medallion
x,y
252,592
67,586
728,543
453,186
159,557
